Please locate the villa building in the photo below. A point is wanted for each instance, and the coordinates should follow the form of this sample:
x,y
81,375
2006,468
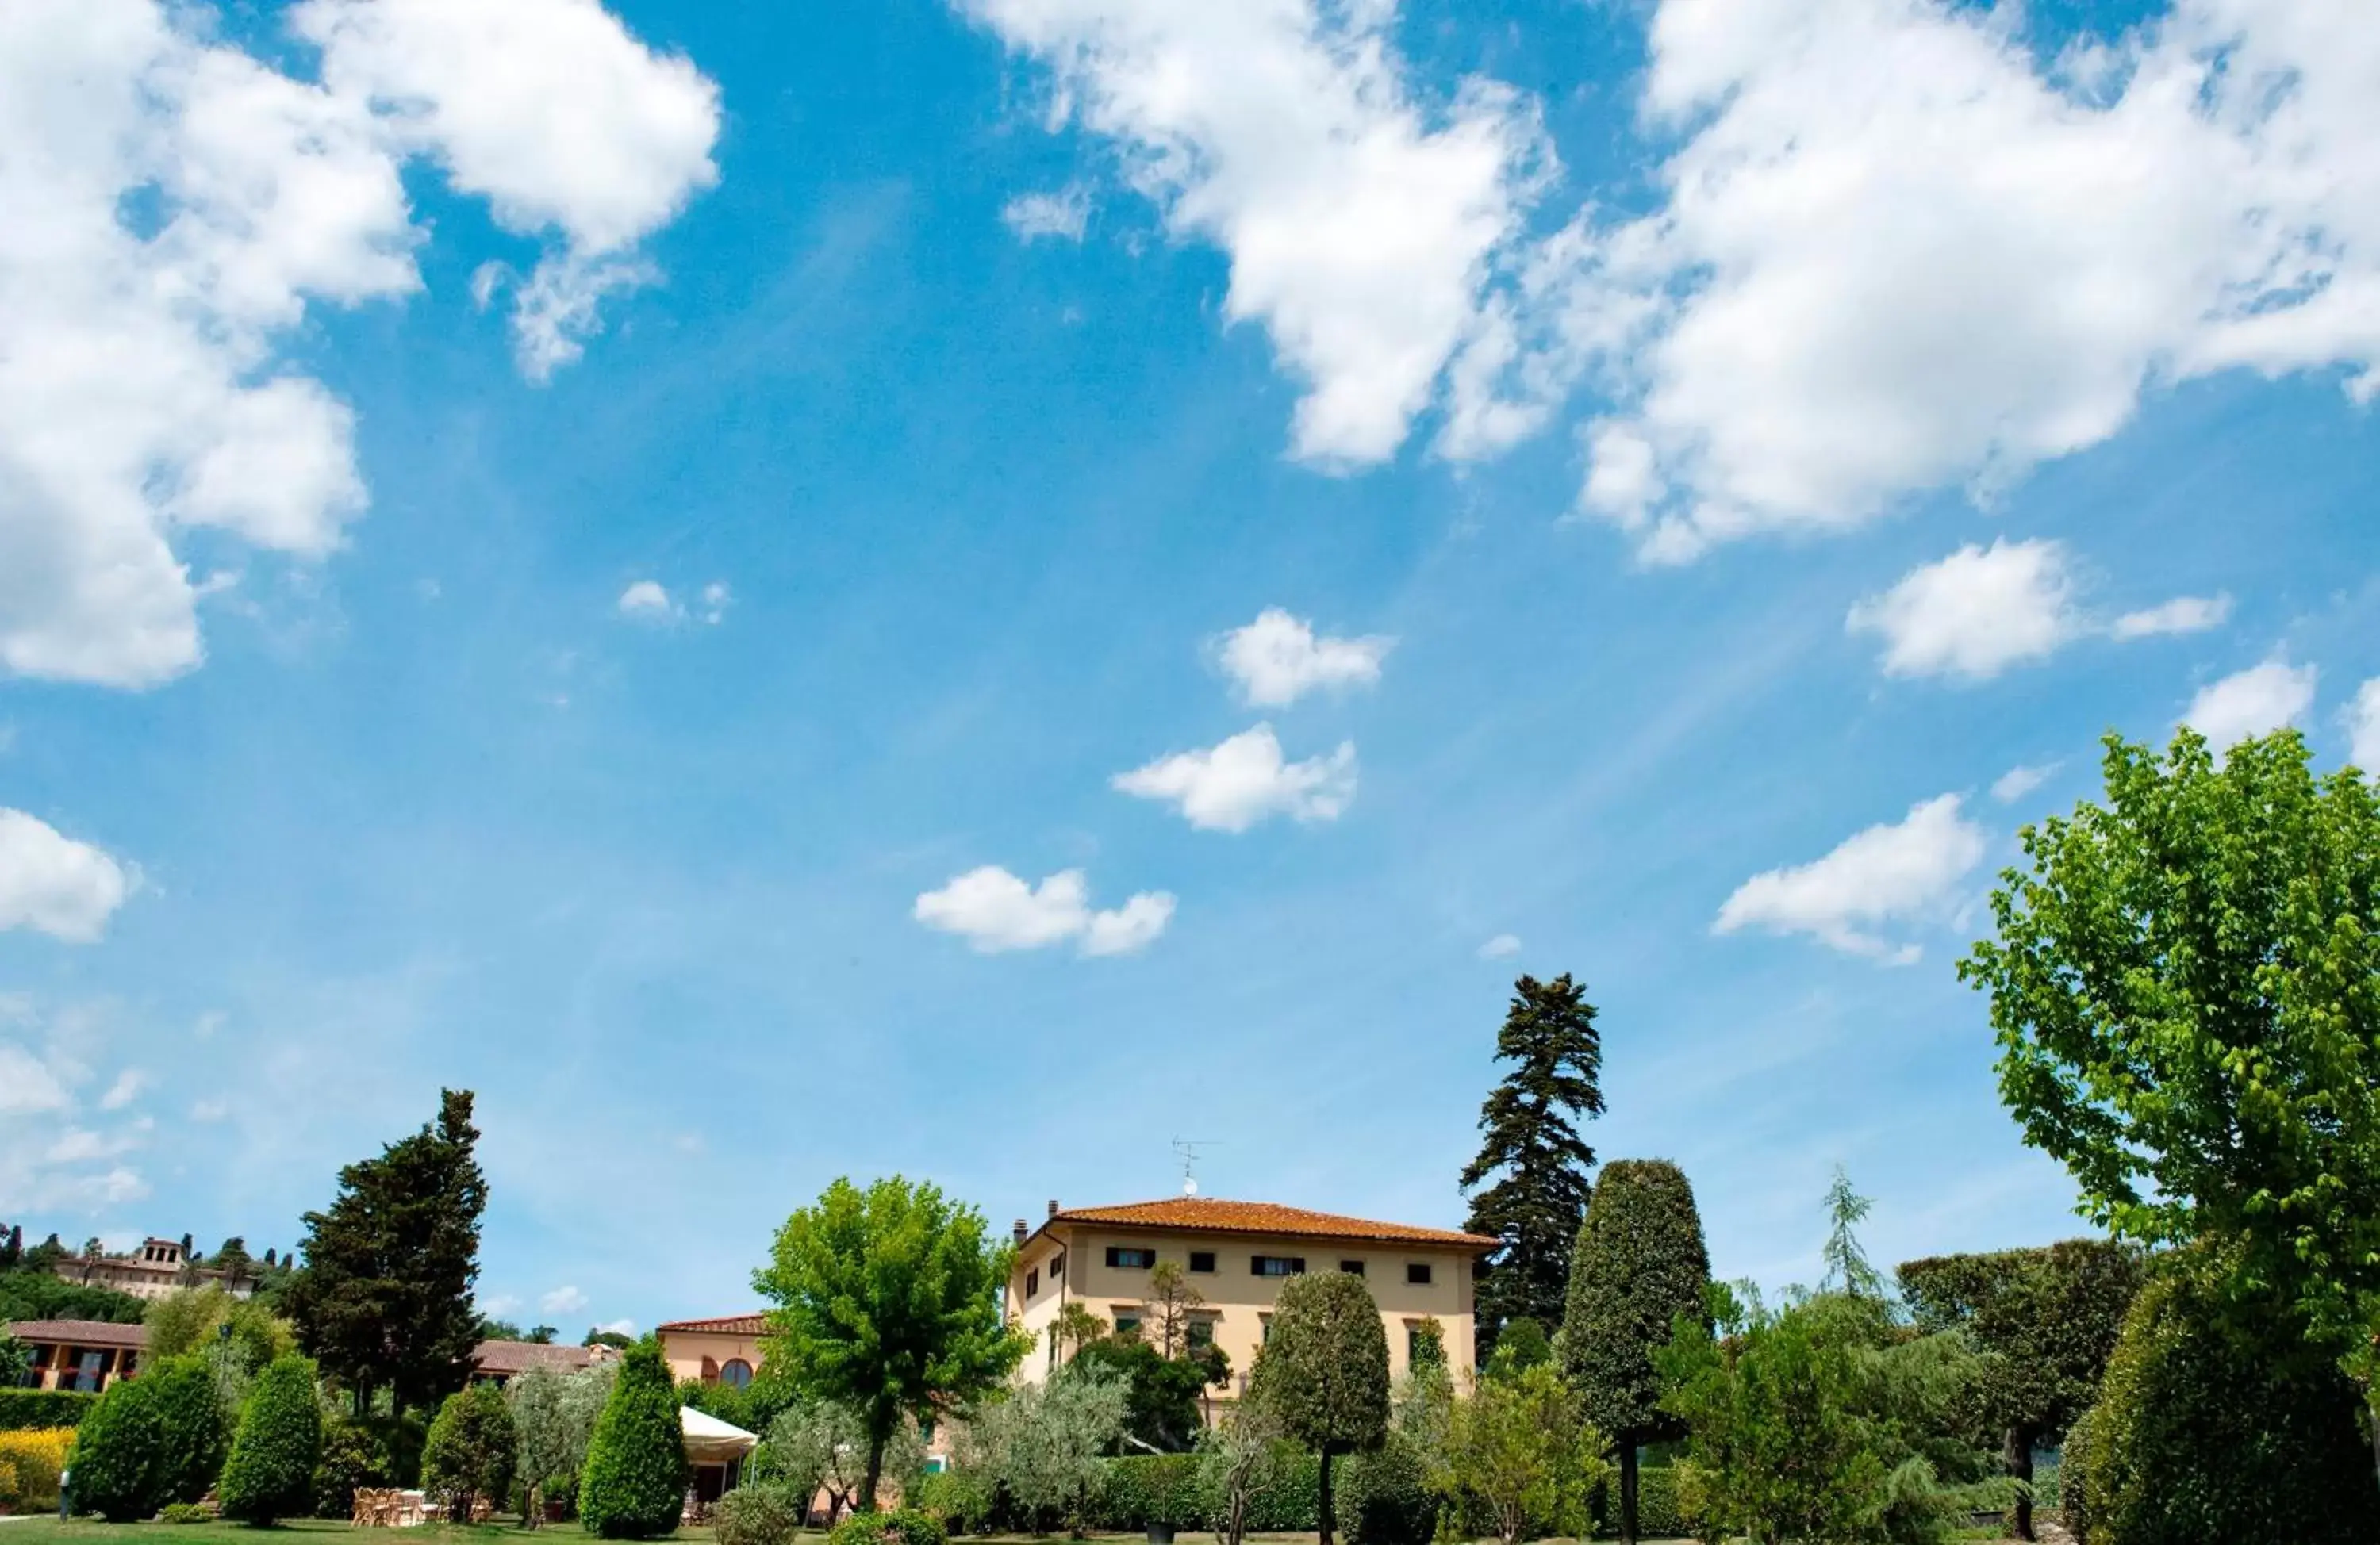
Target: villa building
x,y
726,1350
1236,1255
86,1355
158,1268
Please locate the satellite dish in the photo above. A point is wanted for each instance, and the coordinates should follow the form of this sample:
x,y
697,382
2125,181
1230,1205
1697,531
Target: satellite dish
x,y
1189,1188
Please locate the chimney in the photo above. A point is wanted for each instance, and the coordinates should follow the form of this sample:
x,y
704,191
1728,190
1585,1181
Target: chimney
x,y
1021,1233
1054,1206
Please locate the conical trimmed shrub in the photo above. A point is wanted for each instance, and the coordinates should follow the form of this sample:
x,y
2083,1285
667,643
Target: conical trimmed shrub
x,y
116,1469
194,1428
633,1486
270,1473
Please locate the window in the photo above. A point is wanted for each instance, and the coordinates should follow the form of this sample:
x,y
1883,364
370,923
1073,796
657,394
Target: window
x,y
1202,1332
1353,1268
1264,1334
1124,1258
1033,1281
1127,1325
1421,1347
1277,1265
1058,1266
1418,1273
1202,1261
735,1373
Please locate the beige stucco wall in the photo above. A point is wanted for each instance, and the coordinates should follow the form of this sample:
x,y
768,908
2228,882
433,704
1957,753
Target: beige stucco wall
x,y
683,1351
1237,1300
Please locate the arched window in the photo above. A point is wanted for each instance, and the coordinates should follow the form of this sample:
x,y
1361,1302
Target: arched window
x,y
735,1373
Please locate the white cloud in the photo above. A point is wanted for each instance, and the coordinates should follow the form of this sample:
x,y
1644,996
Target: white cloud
x,y
209,1111
2363,727
2017,782
1974,613
646,601
1362,225
1886,873
27,1083
53,1157
196,201
501,1304
50,882
1896,252
1278,660
1233,785
563,1300
619,1327
995,912
715,599
1503,946
2181,614
1062,215
127,1088
2252,702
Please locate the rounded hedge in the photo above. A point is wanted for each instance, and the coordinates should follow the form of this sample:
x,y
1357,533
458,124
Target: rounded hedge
x,y
471,1451
197,1430
2206,1432
905,1526
270,1474
1386,1498
760,1513
634,1485
115,1470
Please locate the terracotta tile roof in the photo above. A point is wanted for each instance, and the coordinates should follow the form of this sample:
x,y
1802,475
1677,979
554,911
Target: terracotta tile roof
x,y
1213,1215
508,1357
726,1324
80,1333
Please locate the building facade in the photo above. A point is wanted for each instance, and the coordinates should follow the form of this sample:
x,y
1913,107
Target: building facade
x,y
1236,1255
86,1355
726,1350
158,1268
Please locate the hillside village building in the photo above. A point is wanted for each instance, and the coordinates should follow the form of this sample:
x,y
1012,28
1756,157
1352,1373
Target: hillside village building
x,y
158,1268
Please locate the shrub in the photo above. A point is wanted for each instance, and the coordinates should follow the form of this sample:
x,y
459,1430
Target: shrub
x,y
858,1528
196,1429
2074,1479
117,1451
29,1463
344,1463
270,1474
41,1410
1143,1489
633,1486
1386,1498
762,1513
2213,1429
187,1513
1659,1512
908,1525
471,1451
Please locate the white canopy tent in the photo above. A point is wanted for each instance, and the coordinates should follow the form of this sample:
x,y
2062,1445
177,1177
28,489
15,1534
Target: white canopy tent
x,y
709,1440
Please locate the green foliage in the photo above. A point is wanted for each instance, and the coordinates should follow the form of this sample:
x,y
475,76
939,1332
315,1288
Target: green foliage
x,y
346,1462
270,1473
16,1358
1640,1263
117,1472
760,1513
905,1526
472,1453
194,1428
634,1485
554,1414
1040,1445
1161,1393
1522,1346
31,1291
2212,1427
1531,1148
1658,1516
1323,1375
1143,1489
1523,1447
186,1512
193,1321
1387,1498
38,1410
888,1300
1848,1267
1826,1422
1239,1459
2186,990
385,1300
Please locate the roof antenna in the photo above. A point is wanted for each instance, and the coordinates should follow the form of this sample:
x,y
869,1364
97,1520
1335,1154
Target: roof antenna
x,y
1188,1148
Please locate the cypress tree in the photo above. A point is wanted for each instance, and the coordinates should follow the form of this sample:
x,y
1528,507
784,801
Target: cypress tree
x,y
1531,1150
1323,1374
1639,1263
270,1473
384,1300
634,1485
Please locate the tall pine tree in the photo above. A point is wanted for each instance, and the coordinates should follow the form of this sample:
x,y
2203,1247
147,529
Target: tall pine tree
x,y
384,1300
1534,1153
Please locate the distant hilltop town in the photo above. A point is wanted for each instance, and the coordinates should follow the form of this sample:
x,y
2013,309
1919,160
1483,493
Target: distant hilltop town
x,y
151,1270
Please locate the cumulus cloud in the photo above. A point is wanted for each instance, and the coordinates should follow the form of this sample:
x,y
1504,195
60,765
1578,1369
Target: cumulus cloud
x,y
1503,946
1363,224
53,884
995,912
619,1327
58,1154
27,1082
1233,785
715,596
2017,782
127,1088
197,201
1886,873
2256,701
1278,659
2181,614
2363,727
563,1300
1062,215
1974,613
646,601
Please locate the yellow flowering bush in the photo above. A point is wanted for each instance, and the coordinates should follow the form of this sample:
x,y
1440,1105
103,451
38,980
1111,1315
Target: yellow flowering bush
x,y
29,1463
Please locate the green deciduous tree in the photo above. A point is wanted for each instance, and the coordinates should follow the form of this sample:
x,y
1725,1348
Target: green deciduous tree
x,y
1161,1393
1323,1373
1072,1329
634,1485
472,1453
888,1300
1640,1263
2044,1320
1524,1447
384,1301
270,1474
2186,990
1533,1162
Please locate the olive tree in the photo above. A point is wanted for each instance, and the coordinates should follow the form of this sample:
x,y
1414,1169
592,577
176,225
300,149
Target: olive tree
x,y
1042,1443
1323,1374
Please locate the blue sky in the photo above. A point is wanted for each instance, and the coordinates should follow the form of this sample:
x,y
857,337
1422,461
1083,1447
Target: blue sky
x,y
713,574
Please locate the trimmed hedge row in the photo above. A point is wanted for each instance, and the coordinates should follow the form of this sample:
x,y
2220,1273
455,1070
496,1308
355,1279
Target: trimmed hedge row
x,y
42,1410
1657,1513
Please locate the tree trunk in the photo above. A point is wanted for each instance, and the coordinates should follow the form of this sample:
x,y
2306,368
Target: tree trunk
x,y
1628,1489
2372,1404
2016,1456
875,1473
1322,1497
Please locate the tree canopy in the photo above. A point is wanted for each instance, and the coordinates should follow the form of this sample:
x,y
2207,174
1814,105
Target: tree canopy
x,y
1323,1374
1533,1162
888,1300
384,1298
2186,991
